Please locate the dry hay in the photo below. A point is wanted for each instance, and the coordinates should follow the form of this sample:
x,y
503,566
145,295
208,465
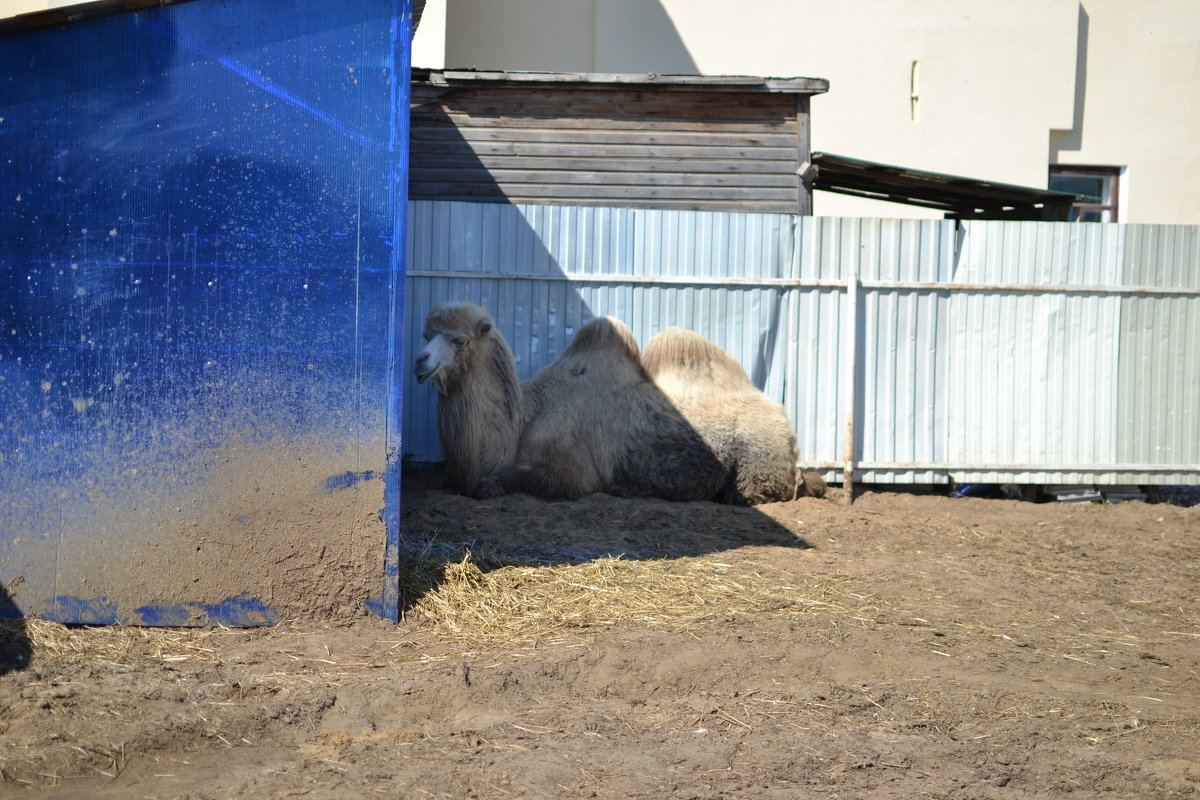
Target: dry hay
x,y
469,596
58,645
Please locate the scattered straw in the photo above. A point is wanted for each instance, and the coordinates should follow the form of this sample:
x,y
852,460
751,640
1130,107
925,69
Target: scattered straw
x,y
119,645
482,600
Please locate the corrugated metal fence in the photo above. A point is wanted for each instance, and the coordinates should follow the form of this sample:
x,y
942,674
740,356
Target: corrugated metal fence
x,y
1021,352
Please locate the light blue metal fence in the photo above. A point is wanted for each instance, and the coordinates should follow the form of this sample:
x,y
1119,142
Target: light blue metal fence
x,y
904,350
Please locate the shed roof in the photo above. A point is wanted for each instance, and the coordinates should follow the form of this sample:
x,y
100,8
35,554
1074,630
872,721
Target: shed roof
x,y
616,80
956,196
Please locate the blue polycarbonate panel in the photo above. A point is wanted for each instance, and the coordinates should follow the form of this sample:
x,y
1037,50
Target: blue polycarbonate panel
x,y
202,217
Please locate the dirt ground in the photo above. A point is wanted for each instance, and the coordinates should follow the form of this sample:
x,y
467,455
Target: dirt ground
x,y
905,646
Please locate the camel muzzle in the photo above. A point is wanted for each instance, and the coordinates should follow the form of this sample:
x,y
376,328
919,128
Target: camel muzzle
x,y
423,370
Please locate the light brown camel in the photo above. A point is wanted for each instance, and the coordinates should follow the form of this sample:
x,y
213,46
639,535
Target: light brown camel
x,y
747,431
595,422
479,396
592,421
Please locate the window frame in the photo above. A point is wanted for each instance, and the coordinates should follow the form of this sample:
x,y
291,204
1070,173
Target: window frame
x,y
1111,175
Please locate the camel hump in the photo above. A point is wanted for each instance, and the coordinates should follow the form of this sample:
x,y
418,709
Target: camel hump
x,y
687,353
604,334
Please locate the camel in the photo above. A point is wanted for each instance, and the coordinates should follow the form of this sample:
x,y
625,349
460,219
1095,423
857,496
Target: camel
x,y
749,433
480,409
592,421
595,422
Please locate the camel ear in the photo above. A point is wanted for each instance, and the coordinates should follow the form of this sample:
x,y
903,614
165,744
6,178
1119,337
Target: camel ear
x,y
484,328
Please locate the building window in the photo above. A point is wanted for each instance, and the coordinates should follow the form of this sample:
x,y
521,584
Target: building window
x,y
1098,187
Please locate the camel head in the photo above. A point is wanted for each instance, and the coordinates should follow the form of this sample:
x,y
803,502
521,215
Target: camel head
x,y
453,334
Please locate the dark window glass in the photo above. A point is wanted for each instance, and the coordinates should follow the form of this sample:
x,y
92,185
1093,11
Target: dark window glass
x,y
1097,188
1090,187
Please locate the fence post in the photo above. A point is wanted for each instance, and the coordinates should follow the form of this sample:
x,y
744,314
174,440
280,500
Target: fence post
x,y
851,385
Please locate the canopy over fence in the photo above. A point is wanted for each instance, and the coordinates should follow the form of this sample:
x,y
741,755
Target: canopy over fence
x,y
958,197
201,242
905,351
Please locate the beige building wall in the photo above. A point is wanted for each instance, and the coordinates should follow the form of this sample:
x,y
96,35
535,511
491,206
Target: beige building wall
x,y
1137,105
429,41
969,88
1002,90
11,8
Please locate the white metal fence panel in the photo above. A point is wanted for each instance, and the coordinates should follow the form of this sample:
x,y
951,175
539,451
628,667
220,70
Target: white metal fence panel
x,y
987,351
1033,362
901,344
1159,419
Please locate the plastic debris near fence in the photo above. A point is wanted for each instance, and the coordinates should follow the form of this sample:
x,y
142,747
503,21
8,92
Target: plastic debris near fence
x,y
201,291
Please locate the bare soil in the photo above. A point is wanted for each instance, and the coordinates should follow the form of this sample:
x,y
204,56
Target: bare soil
x,y
918,646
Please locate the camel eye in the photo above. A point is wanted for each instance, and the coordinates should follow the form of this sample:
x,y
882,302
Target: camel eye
x,y
458,341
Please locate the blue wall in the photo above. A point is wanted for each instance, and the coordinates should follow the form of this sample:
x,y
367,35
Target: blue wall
x,y
201,243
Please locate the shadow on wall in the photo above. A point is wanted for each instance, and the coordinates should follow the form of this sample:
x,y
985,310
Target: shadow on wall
x,y
1072,140
566,36
15,647
636,36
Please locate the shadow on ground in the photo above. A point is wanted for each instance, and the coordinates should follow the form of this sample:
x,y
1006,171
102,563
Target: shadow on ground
x,y
15,648
519,530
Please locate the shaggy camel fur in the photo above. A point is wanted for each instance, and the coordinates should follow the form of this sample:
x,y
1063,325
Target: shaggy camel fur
x,y
479,420
592,421
749,433
596,420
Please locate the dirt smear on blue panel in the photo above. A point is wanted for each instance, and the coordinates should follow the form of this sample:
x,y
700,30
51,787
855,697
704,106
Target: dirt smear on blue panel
x,y
257,530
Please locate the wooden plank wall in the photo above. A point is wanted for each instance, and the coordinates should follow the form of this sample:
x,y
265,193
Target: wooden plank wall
x,y
612,147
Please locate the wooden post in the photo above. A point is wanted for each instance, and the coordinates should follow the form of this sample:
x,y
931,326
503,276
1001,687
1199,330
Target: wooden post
x,y
851,385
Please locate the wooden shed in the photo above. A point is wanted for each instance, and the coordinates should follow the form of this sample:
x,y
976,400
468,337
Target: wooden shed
x,y
649,141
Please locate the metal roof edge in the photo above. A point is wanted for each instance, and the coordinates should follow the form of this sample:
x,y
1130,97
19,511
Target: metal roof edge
x,y
943,178
617,80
